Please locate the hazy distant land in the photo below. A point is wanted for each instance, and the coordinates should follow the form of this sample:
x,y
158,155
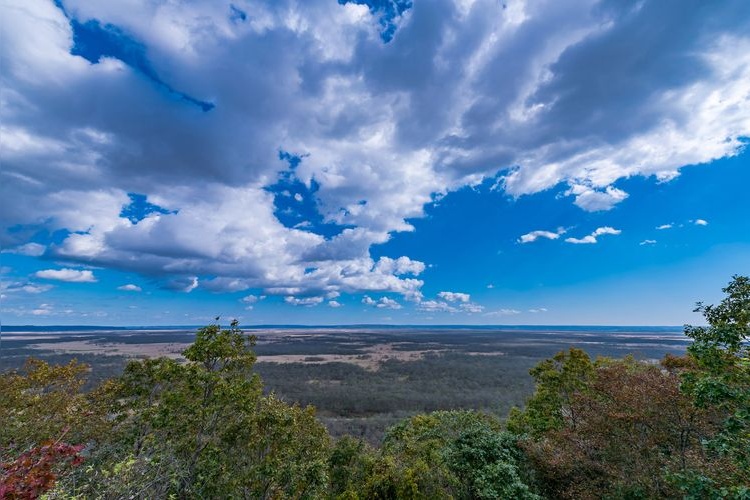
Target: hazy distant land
x,y
363,378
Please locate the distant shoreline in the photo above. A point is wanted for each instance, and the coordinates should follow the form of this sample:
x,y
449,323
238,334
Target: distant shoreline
x,y
170,328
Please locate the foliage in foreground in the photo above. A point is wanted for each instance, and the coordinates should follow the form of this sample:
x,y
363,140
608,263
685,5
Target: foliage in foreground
x,y
599,428
445,454
628,429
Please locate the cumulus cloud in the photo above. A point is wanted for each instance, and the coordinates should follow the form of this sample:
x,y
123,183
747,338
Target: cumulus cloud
x,y
665,226
436,306
251,299
535,235
335,304
382,303
387,303
593,200
452,302
69,275
700,222
454,296
647,242
592,238
129,288
571,96
304,301
402,265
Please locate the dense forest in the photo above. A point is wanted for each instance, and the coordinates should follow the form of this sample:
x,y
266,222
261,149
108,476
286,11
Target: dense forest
x,y
593,428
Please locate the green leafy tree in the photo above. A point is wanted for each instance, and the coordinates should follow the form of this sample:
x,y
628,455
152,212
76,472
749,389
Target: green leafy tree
x,y
448,454
721,380
558,380
39,406
350,464
204,429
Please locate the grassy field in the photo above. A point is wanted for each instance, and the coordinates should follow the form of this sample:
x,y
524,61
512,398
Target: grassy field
x,y
364,379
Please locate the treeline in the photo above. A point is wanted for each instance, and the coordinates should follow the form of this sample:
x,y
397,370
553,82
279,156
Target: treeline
x,y
601,428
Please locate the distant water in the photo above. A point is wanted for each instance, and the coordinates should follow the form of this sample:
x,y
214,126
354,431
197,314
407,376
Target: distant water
x,y
364,327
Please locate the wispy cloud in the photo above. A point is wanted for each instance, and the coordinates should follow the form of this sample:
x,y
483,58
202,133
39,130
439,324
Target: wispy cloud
x,y
182,284
502,312
592,238
535,235
29,249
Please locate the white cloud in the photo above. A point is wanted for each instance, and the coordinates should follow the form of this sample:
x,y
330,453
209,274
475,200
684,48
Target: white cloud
x,y
665,226
452,302
7,287
535,235
582,241
593,200
538,310
249,300
129,288
334,304
43,310
700,222
304,301
606,230
436,306
184,285
647,242
225,284
69,275
471,308
592,238
382,303
402,265
503,312
35,288
77,137
30,249
454,296
387,303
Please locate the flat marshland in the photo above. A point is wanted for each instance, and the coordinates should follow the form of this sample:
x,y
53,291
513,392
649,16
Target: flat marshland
x,y
363,379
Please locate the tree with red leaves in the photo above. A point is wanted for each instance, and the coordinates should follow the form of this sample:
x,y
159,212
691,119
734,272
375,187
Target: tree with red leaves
x,y
36,470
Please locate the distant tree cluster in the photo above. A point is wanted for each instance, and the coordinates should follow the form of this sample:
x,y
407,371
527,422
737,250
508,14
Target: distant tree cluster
x,y
603,428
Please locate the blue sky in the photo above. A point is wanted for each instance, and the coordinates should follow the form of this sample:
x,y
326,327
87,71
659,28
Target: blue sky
x,y
475,162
